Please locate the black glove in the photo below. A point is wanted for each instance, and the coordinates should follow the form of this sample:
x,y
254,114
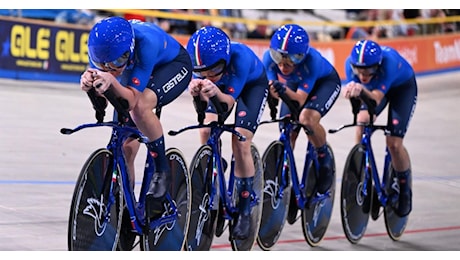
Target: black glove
x,y
280,88
272,104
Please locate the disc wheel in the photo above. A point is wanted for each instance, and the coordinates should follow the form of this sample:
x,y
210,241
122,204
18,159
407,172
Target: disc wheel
x,y
94,225
354,206
394,224
202,225
316,215
276,197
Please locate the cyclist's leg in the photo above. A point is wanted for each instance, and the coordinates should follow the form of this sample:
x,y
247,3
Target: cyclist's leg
x,y
130,149
244,178
150,124
249,110
326,91
255,205
171,235
161,179
394,224
311,118
402,102
404,177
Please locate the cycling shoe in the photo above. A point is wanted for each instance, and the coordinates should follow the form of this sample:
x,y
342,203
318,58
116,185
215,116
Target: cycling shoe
x,y
157,193
242,228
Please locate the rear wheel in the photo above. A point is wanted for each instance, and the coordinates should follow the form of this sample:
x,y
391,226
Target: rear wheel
x,y
275,203
256,204
316,215
354,206
172,235
202,218
394,224
93,224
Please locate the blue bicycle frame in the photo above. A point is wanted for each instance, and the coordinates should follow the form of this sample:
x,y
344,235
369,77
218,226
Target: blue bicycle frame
x,y
225,193
370,164
119,134
310,157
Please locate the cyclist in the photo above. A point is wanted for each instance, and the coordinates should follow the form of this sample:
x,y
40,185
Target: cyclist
x,y
235,75
385,76
296,69
148,68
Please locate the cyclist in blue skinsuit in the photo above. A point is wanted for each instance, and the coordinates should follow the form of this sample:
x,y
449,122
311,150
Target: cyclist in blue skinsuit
x,y
148,68
298,70
232,72
385,76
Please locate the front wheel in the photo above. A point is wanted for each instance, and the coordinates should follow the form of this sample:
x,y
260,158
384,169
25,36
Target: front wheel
x,y
202,225
172,235
277,193
354,205
97,206
316,215
256,204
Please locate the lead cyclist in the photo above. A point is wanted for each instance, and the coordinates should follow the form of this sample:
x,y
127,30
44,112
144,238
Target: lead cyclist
x,y
149,69
382,74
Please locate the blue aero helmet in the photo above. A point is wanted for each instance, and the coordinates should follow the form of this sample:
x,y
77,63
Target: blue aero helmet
x,y
366,53
289,42
111,43
209,49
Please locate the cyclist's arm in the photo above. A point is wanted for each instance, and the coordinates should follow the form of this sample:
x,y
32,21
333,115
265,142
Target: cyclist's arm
x,y
298,96
105,80
225,98
375,94
355,89
128,93
208,89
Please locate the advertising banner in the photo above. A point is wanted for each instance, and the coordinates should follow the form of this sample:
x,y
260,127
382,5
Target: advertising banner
x,y
57,52
42,51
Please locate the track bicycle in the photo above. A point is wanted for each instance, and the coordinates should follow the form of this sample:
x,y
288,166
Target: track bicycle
x,y
105,213
285,194
214,197
363,191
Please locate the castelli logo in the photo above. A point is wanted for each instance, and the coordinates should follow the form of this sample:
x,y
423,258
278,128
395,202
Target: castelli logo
x,y
245,194
231,90
136,81
242,114
395,122
153,154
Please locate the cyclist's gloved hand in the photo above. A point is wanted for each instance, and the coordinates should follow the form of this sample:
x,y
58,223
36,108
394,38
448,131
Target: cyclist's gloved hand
x,y
272,104
279,87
